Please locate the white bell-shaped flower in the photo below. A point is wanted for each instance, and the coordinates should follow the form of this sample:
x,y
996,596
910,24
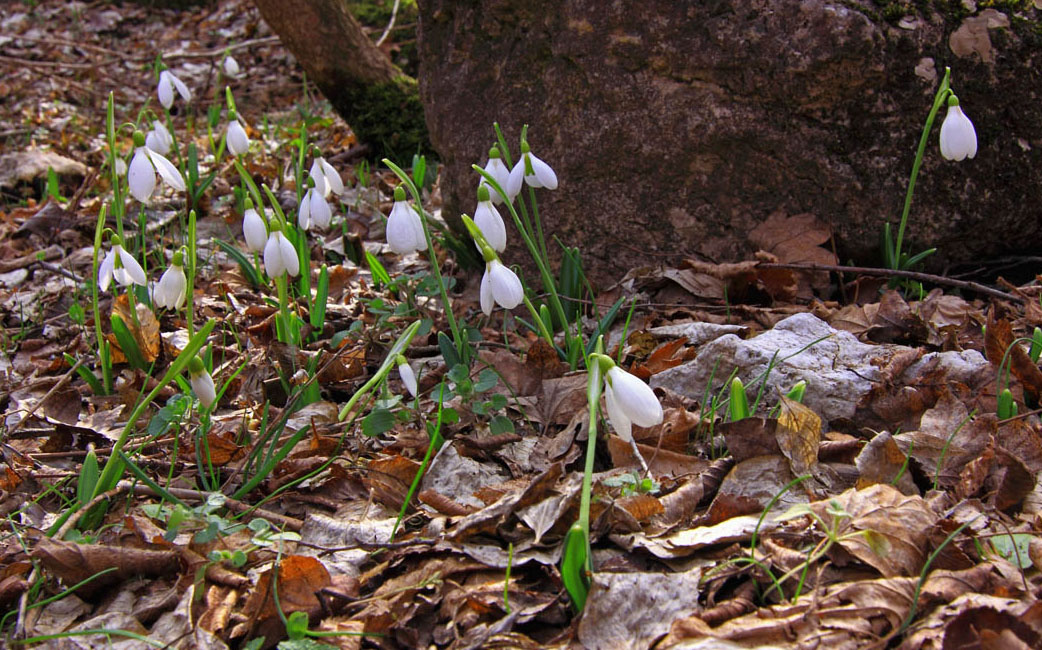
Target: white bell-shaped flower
x,y
405,371
141,175
236,138
499,171
629,401
542,175
201,382
165,89
119,265
159,138
404,229
230,66
280,256
958,137
172,288
314,210
500,286
488,219
253,229
327,178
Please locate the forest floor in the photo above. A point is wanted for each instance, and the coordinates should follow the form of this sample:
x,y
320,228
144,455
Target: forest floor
x,y
893,503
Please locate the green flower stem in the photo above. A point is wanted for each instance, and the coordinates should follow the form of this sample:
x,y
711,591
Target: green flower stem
x,y
594,383
457,337
117,196
390,362
286,333
113,470
544,270
190,302
538,226
545,333
938,101
103,354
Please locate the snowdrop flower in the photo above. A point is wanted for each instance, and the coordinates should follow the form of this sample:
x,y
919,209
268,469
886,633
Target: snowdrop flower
x,y
408,376
531,170
313,210
165,90
629,401
501,286
404,229
327,178
235,136
497,170
201,382
173,285
253,229
279,255
121,266
488,219
230,65
121,167
958,138
159,139
141,176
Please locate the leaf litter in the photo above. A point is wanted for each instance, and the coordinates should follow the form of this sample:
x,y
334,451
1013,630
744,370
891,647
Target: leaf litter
x,y
890,508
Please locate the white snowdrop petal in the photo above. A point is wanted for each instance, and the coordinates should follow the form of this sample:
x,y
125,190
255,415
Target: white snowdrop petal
x,y
622,425
203,387
408,378
332,176
273,265
238,141
304,211
506,287
165,90
289,255
543,173
514,181
231,66
254,230
489,221
182,89
321,214
171,290
316,175
635,398
486,298
167,171
141,176
105,270
134,272
419,240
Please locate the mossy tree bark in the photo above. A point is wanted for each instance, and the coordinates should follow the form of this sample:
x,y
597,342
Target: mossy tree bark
x,y
378,100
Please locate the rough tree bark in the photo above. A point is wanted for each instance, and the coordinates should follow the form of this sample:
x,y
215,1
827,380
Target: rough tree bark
x,y
378,100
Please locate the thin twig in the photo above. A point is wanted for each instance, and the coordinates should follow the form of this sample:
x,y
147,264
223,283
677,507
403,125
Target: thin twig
x,y
891,273
390,24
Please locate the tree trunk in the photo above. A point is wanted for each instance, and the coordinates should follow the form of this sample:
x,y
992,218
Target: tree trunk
x,y
378,100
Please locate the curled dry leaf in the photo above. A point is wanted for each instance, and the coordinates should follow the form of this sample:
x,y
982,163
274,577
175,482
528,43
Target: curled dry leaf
x,y
893,528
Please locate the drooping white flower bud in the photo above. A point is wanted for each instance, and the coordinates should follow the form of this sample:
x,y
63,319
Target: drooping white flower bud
x,y
629,401
253,229
119,265
500,286
488,219
408,376
404,229
230,66
958,137
280,256
235,136
201,382
165,89
173,286
498,171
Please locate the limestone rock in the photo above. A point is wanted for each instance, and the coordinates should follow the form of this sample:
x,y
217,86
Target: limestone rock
x,y
675,128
